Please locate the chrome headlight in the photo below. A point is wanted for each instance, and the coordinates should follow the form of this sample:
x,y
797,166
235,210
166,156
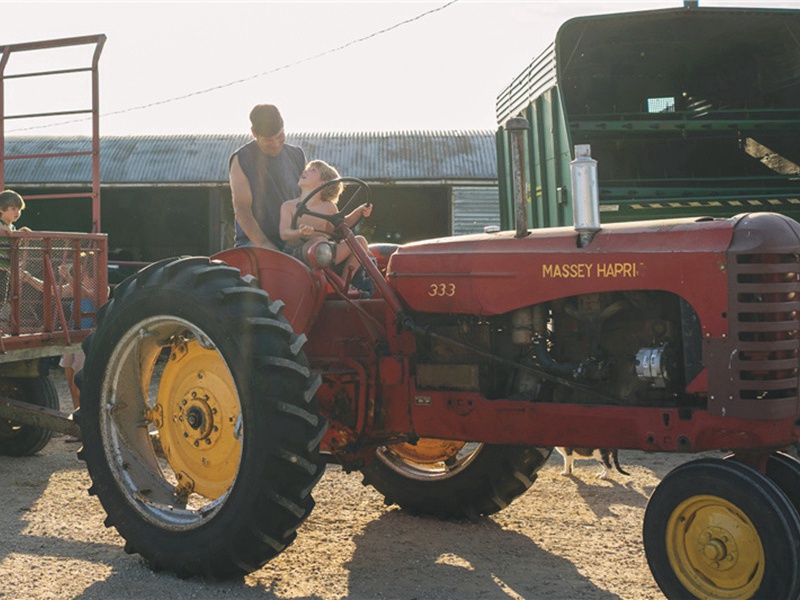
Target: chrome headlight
x,y
320,254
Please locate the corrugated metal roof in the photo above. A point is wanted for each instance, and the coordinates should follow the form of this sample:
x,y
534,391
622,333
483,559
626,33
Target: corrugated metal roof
x,y
400,156
474,208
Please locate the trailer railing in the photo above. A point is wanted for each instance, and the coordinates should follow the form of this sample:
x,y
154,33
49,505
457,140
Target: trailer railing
x,y
51,285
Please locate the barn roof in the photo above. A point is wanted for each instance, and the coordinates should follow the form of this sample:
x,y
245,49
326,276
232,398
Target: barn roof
x,y
202,159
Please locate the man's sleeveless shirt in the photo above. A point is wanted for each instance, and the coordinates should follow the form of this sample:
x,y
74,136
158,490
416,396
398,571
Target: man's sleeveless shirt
x,y
273,180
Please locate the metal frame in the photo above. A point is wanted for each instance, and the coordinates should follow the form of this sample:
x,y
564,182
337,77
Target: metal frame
x,y
5,54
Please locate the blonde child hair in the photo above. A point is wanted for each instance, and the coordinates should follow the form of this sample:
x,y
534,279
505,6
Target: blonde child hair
x,y
328,173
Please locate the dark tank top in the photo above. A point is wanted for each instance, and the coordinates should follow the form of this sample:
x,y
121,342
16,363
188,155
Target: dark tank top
x,y
273,180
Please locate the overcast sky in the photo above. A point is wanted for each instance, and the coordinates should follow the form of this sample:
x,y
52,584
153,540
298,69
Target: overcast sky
x,y
439,72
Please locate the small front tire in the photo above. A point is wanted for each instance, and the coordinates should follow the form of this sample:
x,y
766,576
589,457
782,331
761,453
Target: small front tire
x,y
719,529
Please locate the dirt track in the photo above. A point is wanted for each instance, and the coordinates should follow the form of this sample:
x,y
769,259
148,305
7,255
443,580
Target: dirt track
x,y
567,537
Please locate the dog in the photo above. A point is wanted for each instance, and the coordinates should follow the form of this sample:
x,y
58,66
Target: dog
x,y
606,457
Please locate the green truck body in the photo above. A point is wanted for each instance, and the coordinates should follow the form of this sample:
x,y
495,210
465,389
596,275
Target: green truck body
x,y
689,112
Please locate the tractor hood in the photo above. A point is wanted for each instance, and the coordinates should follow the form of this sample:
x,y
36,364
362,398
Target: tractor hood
x,y
492,274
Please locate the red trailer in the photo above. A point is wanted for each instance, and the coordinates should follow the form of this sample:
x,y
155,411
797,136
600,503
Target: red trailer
x,y
54,281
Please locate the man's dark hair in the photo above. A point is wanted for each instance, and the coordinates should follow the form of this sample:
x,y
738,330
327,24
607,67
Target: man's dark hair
x,y
11,198
266,120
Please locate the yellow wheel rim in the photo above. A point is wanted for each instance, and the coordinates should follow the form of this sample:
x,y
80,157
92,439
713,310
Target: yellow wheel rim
x,y
428,451
197,413
429,459
714,549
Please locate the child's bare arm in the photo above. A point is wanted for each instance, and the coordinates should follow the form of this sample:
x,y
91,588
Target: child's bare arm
x,y
287,232
363,211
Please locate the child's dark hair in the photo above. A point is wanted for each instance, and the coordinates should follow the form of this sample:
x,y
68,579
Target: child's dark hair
x,y
9,198
266,120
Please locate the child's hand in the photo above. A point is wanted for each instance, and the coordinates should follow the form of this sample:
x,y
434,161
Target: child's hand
x,y
28,229
366,210
306,231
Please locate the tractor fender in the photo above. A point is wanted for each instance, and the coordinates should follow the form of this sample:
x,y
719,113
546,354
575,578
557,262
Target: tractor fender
x,y
284,278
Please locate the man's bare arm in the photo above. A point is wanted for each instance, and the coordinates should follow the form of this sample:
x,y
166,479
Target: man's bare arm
x,y
243,207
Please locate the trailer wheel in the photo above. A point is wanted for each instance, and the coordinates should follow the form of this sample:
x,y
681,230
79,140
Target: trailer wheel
x,y
719,529
453,479
23,440
201,432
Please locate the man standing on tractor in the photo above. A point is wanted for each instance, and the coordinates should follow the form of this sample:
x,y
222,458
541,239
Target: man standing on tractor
x,y
263,175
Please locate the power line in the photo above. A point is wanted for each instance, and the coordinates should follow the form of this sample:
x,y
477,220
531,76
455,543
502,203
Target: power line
x,y
251,77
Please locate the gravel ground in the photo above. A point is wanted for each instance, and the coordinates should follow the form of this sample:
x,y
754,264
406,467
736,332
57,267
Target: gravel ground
x,y
566,538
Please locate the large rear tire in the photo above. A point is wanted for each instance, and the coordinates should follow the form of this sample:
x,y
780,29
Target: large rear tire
x,y
17,439
201,432
720,529
453,479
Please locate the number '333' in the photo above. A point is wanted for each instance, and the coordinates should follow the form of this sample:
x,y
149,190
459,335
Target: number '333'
x,y
442,289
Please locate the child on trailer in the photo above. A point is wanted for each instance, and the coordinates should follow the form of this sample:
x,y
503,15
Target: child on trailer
x,y
66,285
308,229
11,207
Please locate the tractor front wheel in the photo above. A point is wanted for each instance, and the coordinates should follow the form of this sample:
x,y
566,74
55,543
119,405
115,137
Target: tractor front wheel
x,y
720,529
201,432
453,479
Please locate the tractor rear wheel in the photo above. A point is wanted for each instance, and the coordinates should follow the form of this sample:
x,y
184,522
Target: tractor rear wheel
x,y
17,439
720,529
201,432
453,479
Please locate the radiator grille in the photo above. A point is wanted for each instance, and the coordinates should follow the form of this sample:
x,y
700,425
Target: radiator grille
x,y
765,307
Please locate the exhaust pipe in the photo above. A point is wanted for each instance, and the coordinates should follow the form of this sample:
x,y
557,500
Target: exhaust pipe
x,y
585,194
517,128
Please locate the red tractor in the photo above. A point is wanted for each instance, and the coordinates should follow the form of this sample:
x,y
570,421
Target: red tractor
x,y
216,389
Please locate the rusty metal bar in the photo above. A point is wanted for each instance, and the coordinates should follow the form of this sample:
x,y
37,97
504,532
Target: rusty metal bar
x,y
3,63
96,135
101,273
97,240
38,416
59,113
56,43
40,73
49,155
40,344
53,196
77,285
55,291
14,285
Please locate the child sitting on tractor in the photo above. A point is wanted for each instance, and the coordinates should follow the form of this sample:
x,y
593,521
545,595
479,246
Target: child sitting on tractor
x,y
310,228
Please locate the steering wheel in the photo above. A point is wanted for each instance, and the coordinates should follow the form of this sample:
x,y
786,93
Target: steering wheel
x,y
338,217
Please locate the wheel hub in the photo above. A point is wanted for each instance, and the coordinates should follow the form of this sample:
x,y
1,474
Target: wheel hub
x,y
718,547
428,451
714,549
196,414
